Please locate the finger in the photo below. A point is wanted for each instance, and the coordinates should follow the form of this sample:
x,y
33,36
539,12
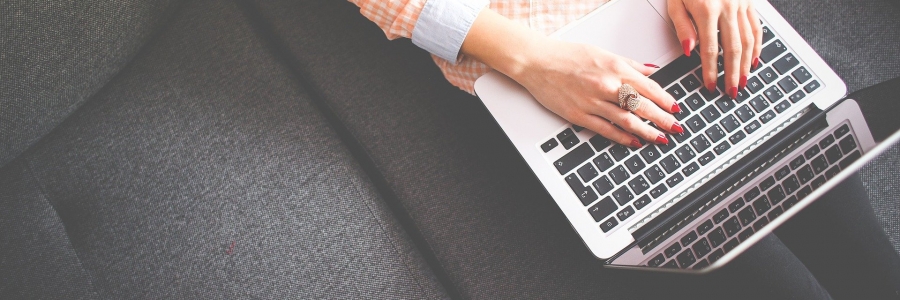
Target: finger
x,y
651,90
747,42
645,69
630,122
709,49
732,47
757,35
662,119
684,27
606,129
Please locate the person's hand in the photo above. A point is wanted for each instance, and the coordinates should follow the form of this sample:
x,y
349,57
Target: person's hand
x,y
741,37
581,84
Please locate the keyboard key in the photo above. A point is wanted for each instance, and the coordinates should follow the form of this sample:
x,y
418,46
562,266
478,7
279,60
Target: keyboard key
x,y
565,134
672,250
730,245
819,181
796,97
826,141
654,174
717,237
674,180
721,148
686,259
684,113
619,152
690,169
773,94
685,154
819,164
783,106
704,227
549,145
588,172
681,137
790,184
658,191
812,86
746,234
767,183
752,127
665,148
833,154
730,123
639,184
777,211
570,142
805,174
715,133
841,131
732,226
847,144
737,137
603,162
650,154
584,193
747,215
603,185
706,158
766,117
689,238
797,162
850,159
771,51
809,153
790,202
752,193
656,261
642,202
785,64
691,83
695,102
761,205
720,216
783,172
676,91
725,104
787,84
737,204
573,159
700,265
832,172
802,75
671,265
758,103
618,174
670,164
710,113
702,248
577,128
709,96
776,194
768,75
625,213
742,95
715,255
700,143
609,224
744,113
695,123
754,85
623,195
635,164
603,209
803,192
674,70
767,34
599,142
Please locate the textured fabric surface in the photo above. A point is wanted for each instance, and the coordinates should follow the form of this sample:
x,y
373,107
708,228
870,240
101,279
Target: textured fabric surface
x,y
202,171
55,54
494,231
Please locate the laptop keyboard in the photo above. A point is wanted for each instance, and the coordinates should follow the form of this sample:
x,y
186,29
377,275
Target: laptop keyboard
x,y
614,182
798,176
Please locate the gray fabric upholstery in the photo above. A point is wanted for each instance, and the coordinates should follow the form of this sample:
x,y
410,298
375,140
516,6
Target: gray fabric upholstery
x,y
55,54
203,171
494,231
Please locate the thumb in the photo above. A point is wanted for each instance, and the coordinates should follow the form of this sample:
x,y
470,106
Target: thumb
x,y
684,27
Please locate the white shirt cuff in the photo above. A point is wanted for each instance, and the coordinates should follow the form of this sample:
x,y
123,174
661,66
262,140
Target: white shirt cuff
x,y
443,24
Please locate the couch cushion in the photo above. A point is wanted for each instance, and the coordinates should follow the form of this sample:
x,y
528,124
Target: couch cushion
x,y
203,171
56,54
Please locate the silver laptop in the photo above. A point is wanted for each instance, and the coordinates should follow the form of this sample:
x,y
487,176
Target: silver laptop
x,y
741,168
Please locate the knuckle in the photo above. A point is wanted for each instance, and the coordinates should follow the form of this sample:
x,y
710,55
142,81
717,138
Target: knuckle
x,y
733,50
710,51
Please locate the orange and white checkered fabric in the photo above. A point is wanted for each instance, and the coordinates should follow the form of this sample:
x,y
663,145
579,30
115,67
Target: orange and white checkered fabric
x,y
398,18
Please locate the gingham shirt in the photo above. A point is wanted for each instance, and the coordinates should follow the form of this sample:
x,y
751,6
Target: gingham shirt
x,y
440,26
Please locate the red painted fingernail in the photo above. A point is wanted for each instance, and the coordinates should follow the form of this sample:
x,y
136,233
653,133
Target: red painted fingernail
x,y
743,83
661,139
686,44
711,87
755,62
635,143
652,66
675,108
732,92
676,128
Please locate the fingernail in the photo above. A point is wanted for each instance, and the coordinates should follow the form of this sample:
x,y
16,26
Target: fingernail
x,y
676,128
652,66
711,87
733,92
675,108
635,143
686,44
755,62
743,83
661,139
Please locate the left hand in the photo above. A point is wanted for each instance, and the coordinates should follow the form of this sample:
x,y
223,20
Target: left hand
x,y
741,37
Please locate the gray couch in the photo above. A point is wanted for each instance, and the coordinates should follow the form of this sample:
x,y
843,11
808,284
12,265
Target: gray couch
x,y
286,149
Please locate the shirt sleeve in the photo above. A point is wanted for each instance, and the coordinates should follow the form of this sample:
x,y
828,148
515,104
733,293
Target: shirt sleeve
x,y
438,26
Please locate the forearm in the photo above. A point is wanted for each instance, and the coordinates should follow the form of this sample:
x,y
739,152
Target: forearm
x,y
502,44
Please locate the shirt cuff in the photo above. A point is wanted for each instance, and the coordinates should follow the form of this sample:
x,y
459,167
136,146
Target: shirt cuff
x,y
443,24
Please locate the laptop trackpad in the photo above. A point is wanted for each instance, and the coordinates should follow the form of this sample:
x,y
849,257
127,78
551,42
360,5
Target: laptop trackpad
x,y
634,29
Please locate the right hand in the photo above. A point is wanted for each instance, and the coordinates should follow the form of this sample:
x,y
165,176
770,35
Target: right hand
x,y
581,84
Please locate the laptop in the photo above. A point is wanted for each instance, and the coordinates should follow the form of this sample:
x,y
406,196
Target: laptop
x,y
741,168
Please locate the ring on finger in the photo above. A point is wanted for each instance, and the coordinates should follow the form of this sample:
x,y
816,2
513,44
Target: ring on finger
x,y
629,98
